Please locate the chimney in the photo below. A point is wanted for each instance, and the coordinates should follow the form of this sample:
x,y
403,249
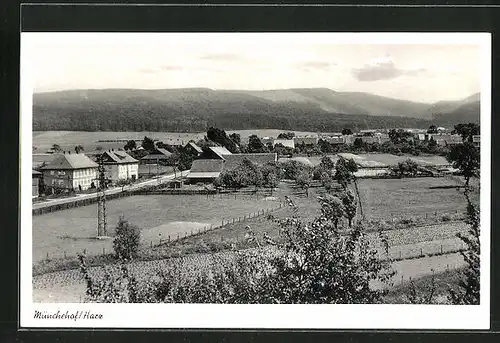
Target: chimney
x,y
69,152
64,152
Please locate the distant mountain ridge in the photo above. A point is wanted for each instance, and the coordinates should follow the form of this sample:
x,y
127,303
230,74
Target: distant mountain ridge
x,y
193,109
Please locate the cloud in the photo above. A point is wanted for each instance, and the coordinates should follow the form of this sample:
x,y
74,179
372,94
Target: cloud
x,y
383,69
316,65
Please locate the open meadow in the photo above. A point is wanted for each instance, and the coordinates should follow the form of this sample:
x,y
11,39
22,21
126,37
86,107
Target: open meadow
x,y
73,230
386,198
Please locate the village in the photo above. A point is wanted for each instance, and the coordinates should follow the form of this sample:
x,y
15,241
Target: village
x,y
63,172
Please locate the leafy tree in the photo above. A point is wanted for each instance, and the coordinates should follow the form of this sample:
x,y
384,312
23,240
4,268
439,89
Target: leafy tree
x,y
344,171
131,145
406,168
332,207
326,163
398,136
56,148
350,206
304,179
432,129
466,158
467,131
255,145
78,148
346,131
325,147
290,169
358,144
127,240
286,135
235,137
270,175
220,137
148,144
469,287
98,148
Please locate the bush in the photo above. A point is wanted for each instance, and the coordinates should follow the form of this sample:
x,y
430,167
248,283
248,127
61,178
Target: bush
x,y
127,240
446,218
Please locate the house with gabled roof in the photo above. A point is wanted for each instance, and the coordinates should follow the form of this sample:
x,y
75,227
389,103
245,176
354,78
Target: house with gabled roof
x,y
205,170
215,152
193,148
70,171
118,165
159,155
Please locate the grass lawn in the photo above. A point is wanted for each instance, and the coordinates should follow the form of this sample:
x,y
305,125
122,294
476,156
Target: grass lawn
x,y
383,198
71,231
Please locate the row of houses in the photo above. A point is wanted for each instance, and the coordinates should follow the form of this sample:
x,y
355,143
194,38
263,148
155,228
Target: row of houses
x,y
77,171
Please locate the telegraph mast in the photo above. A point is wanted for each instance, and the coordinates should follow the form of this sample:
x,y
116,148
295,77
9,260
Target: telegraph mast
x,y
101,199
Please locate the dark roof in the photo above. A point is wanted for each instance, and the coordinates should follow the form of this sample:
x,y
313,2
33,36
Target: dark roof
x,y
120,157
205,168
231,161
70,161
158,154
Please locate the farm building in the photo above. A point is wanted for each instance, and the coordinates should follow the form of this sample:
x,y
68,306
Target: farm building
x,y
157,156
334,139
35,183
306,140
70,171
205,170
215,152
119,165
447,139
289,143
193,148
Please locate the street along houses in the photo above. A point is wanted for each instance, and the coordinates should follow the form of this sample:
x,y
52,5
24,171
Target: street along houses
x,y
70,171
118,165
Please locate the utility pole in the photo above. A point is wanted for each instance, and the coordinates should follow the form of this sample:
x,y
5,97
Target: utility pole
x,y
101,200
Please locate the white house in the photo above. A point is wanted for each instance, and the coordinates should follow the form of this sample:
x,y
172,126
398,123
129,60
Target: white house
x,y
119,165
70,171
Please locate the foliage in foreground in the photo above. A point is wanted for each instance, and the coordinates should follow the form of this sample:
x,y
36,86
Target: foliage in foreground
x,y
315,262
127,240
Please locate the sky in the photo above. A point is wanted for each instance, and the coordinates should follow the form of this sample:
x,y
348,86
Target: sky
x,y
422,69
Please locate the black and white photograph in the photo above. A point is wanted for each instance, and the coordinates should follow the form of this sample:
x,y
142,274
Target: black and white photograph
x,y
214,169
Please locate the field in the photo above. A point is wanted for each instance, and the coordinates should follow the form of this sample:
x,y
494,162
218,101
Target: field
x,y
383,198
43,140
71,231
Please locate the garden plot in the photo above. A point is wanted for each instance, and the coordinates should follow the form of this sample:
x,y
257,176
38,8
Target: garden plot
x,y
362,161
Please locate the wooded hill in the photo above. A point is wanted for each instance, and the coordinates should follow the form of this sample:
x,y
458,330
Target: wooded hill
x,y
190,110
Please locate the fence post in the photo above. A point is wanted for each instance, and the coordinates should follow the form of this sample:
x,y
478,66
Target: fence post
x,y
421,252
441,249
47,255
151,244
400,255
104,251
